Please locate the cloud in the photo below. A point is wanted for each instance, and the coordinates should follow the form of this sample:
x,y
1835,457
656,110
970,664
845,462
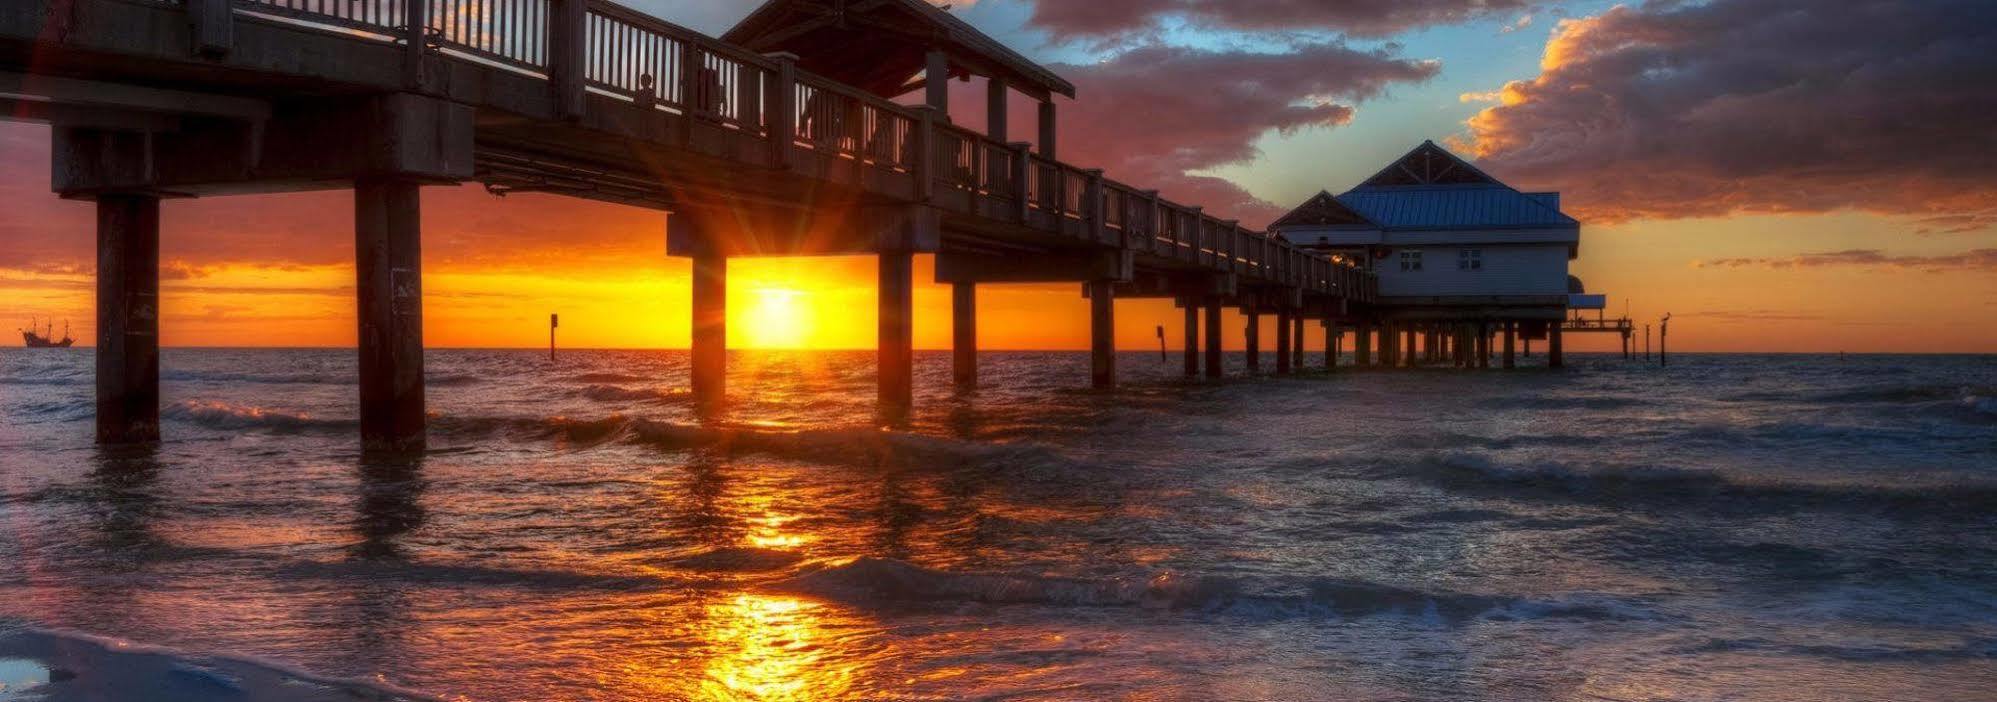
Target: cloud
x,y
1676,109
1139,120
1104,19
1972,260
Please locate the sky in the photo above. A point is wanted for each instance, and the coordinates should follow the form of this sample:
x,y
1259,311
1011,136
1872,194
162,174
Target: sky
x,y
1778,175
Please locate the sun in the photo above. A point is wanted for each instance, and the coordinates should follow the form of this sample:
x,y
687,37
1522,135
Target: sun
x,y
776,319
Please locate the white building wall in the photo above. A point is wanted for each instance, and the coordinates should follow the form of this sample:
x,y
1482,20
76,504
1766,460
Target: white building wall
x,y
1507,270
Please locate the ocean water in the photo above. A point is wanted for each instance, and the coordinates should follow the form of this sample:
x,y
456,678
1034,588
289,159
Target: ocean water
x,y
1779,528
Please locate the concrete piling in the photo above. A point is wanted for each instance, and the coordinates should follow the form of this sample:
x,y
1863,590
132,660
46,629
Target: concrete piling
x,y
127,319
389,283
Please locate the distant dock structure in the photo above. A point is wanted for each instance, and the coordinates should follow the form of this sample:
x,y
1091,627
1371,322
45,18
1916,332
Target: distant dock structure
x,y
1464,262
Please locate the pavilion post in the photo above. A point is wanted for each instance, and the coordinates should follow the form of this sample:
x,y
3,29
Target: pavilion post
x,y
1049,135
936,81
995,109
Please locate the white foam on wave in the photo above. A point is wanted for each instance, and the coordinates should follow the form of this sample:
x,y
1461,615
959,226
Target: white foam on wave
x,y
74,667
222,415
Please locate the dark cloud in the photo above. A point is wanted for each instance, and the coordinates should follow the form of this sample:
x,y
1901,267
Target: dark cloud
x,y
1972,260
1098,19
1142,121
1674,109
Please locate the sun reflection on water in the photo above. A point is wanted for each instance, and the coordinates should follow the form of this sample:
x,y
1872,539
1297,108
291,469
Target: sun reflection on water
x,y
774,648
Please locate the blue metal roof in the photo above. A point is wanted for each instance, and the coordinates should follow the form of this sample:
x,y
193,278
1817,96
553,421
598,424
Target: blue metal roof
x,y
1472,206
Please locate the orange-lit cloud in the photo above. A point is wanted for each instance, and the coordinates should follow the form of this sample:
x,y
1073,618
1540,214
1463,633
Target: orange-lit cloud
x,y
1973,260
1668,110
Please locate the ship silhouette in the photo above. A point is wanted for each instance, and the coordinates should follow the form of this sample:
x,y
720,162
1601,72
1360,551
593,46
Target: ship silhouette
x,y
46,339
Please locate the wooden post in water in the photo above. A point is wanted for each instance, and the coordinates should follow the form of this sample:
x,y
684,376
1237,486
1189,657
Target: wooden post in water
x,y
1483,344
1333,339
1362,345
1511,336
710,329
388,224
1282,341
1192,350
1102,334
127,319
1252,338
896,352
964,335
1663,341
1214,361
1554,356
554,322
1297,340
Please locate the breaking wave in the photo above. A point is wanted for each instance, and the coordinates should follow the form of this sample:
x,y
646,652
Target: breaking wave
x,y
228,417
1476,473
614,393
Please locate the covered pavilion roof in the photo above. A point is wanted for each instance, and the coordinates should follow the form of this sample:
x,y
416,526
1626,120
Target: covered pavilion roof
x,y
881,46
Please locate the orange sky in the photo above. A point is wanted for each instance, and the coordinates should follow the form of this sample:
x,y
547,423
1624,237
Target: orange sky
x,y
603,268
1875,239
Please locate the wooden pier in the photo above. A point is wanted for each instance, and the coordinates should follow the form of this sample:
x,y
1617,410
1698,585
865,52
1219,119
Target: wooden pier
x,y
780,142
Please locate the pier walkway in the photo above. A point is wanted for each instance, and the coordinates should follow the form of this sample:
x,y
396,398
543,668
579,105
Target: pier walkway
x,y
750,153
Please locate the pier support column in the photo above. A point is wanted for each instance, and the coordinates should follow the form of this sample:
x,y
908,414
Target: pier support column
x,y
1297,341
1215,363
964,335
1411,338
1483,344
1102,334
1282,342
1253,340
1511,339
388,246
896,351
1192,344
1362,345
1387,344
710,330
1554,356
1332,340
127,319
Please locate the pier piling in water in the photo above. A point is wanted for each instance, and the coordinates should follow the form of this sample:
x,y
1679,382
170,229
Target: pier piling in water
x,y
896,352
1252,339
1215,367
1283,341
1102,334
387,243
1511,336
710,329
127,319
964,335
1192,342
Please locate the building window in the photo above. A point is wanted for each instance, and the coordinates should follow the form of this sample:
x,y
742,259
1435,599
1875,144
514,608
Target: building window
x,y
1410,261
1470,260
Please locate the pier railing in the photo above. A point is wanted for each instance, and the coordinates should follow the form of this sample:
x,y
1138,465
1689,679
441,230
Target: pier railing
x,y
602,47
